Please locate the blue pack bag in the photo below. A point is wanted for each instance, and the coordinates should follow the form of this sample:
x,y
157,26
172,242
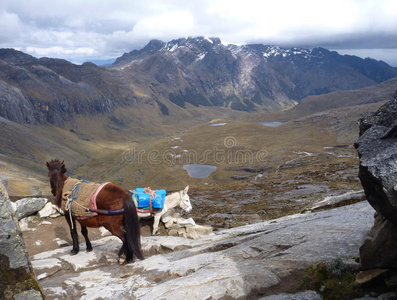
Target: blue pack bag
x,y
143,198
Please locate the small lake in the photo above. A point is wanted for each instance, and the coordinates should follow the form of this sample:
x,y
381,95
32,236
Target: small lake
x,y
271,124
217,124
199,171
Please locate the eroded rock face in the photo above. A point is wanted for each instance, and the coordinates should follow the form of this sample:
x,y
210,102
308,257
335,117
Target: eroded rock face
x,y
16,275
377,149
379,248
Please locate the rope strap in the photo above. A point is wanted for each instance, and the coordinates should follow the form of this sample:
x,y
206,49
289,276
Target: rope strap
x,y
73,196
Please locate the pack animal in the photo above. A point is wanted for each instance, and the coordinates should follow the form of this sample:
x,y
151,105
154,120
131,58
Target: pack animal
x,y
115,211
180,198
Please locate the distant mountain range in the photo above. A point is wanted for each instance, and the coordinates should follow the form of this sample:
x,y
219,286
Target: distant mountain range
x,y
178,75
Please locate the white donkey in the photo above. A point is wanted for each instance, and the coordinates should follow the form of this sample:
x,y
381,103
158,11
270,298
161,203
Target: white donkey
x,y
180,198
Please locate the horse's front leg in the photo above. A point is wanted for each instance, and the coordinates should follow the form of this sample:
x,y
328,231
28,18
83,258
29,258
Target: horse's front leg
x,y
84,232
73,233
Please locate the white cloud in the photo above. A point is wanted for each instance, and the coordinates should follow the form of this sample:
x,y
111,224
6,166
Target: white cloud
x,y
169,24
61,51
115,27
10,26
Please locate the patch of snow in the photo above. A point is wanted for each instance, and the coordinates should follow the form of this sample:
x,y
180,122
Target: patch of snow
x,y
225,43
201,56
208,39
173,48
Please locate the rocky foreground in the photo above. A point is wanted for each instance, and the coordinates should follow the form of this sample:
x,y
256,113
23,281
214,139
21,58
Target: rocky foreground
x,y
243,262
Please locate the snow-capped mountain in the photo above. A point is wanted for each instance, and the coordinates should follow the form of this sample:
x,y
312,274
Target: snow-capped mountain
x,y
178,74
207,71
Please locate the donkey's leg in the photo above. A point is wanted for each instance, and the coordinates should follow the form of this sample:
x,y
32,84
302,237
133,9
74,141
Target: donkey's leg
x,y
84,232
156,223
73,233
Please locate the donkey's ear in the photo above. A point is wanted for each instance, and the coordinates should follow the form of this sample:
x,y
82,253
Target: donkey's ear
x,y
186,189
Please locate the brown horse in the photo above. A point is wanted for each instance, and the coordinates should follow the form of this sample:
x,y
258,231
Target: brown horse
x,y
112,198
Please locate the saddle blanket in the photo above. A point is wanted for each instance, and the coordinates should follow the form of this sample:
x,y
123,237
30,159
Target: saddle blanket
x,y
145,198
83,196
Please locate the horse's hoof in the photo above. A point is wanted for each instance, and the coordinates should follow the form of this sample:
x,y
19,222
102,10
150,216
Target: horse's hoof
x,y
122,260
74,252
128,261
89,249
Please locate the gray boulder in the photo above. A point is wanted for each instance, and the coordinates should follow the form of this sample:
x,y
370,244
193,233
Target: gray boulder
x,y
28,206
16,274
377,150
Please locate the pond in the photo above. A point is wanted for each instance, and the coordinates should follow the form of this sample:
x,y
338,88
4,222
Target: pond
x,y
199,171
271,124
217,124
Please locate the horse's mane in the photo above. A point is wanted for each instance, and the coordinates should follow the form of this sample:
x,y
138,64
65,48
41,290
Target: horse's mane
x,y
56,172
56,165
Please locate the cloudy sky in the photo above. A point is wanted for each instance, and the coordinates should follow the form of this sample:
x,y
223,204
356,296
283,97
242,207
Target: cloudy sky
x,y
80,30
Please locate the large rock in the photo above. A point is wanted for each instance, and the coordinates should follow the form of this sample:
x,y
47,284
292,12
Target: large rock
x,y
377,150
28,206
17,280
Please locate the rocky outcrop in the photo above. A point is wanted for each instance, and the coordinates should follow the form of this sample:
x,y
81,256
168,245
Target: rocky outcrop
x,y
377,150
28,206
17,280
239,263
378,159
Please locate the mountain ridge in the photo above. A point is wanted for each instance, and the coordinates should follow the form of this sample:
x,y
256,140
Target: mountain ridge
x,y
174,76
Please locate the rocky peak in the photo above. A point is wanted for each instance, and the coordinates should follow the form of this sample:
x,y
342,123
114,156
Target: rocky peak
x,y
153,46
16,57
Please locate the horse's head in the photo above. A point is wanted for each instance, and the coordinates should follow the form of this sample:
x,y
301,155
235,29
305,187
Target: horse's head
x,y
185,200
56,171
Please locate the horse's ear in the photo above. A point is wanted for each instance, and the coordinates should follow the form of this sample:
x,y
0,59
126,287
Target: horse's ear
x,y
48,165
186,189
63,168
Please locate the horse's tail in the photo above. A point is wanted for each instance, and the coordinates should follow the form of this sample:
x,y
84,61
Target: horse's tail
x,y
132,228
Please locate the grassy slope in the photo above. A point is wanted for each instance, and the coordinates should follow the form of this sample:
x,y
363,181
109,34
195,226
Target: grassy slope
x,y
100,148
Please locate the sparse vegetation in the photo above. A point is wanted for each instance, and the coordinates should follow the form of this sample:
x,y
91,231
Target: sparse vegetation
x,y
333,280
